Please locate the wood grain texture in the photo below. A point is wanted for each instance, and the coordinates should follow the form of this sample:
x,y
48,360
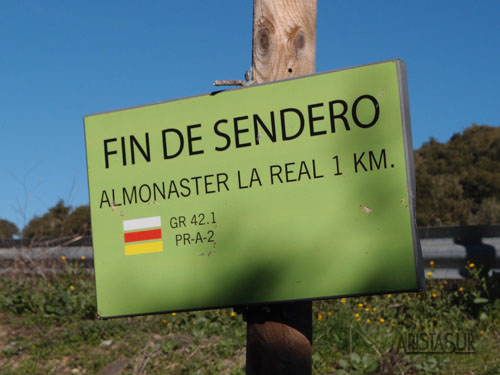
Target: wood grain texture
x,y
279,339
279,336
284,39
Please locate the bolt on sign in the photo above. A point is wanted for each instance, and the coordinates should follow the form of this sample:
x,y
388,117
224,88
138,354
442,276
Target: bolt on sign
x,y
297,189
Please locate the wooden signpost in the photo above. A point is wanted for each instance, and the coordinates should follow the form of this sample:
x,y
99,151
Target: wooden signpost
x,y
279,336
263,198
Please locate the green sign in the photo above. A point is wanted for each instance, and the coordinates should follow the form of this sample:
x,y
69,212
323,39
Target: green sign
x,y
299,189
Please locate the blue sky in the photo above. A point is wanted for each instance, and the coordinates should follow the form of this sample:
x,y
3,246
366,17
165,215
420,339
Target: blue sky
x,y
61,60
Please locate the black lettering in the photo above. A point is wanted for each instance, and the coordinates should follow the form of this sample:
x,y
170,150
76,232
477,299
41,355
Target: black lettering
x,y
191,139
196,179
381,160
240,186
104,199
275,173
255,177
185,185
148,190
303,170
271,134
199,238
221,134
132,198
355,114
312,119
160,191
124,152
172,189
284,135
238,131
135,144
222,180
114,199
341,116
178,238
315,175
208,183
181,143
288,172
107,152
359,162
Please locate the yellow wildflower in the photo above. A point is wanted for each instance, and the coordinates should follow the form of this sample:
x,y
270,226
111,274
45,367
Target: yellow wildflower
x,y
330,313
163,321
360,305
71,287
388,330
481,332
431,262
472,265
174,314
320,316
374,309
63,257
356,315
429,273
389,296
368,320
434,295
367,309
381,320
461,289
82,257
343,300
233,314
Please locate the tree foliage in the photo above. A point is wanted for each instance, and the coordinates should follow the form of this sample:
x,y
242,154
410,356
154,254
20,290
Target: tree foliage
x,y
59,221
458,182
8,229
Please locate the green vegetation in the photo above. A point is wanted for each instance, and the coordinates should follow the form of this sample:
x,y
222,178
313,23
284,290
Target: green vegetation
x,y
48,321
7,229
458,182
48,326
59,221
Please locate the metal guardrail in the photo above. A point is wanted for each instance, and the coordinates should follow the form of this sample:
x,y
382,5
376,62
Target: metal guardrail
x,y
451,248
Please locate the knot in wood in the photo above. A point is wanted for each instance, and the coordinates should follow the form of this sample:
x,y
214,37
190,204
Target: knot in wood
x,y
264,37
299,41
296,40
264,41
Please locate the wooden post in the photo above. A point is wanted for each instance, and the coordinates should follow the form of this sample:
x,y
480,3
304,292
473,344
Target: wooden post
x,y
279,336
